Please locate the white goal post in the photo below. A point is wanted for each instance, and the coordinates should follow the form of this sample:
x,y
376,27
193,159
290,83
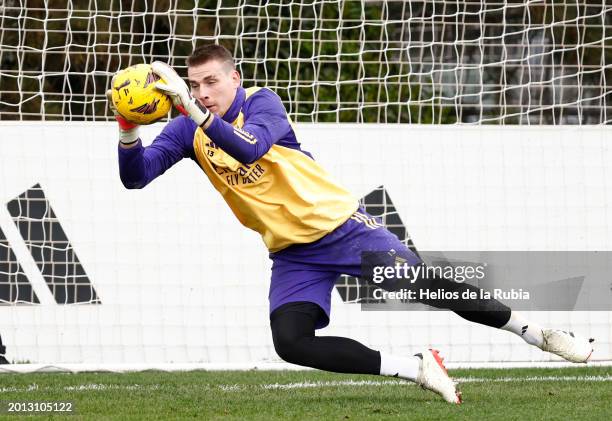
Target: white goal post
x,y
486,123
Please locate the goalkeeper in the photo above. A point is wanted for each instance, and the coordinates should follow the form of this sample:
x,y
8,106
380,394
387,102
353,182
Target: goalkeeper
x,y
314,229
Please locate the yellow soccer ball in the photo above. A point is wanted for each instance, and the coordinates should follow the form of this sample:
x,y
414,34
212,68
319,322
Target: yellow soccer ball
x,y
135,96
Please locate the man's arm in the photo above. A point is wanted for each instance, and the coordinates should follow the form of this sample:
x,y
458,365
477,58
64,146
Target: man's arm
x,y
266,123
266,118
139,165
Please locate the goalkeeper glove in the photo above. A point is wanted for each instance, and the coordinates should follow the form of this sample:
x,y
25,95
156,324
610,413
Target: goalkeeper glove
x,y
177,89
128,132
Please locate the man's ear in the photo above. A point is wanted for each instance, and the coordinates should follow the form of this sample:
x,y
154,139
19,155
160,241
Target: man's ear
x,y
235,78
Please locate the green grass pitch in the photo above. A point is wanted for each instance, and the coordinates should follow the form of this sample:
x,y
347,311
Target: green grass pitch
x,y
581,393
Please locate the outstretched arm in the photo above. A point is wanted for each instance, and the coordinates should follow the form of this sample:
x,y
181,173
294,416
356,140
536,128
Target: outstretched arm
x,y
138,165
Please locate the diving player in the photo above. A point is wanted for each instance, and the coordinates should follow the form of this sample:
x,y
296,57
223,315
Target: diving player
x,y
314,229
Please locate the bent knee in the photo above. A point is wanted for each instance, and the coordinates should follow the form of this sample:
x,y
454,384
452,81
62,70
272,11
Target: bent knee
x,y
291,348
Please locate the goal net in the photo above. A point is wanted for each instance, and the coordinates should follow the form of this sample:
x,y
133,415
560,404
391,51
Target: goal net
x,y
534,62
90,273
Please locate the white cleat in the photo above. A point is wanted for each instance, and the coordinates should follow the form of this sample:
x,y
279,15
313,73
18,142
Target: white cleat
x,y
567,345
433,376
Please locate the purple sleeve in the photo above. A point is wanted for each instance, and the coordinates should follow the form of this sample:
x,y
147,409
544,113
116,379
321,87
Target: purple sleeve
x,y
139,165
265,123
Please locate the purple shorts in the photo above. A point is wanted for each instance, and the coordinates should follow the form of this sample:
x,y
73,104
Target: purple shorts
x,y
308,272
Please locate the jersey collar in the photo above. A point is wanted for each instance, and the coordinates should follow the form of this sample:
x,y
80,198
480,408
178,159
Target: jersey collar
x,y
234,109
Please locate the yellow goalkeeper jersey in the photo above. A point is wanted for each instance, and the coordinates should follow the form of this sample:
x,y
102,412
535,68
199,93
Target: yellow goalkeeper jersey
x,y
284,195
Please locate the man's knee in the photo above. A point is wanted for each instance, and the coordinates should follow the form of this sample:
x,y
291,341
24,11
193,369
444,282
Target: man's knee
x,y
293,331
287,345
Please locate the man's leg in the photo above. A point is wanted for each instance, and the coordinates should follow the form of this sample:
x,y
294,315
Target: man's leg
x,y
293,332
489,312
493,313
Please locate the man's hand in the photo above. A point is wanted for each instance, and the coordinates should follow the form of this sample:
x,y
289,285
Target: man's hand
x,y
128,132
177,89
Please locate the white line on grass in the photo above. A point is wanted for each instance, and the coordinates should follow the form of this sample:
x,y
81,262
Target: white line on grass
x,y
81,387
535,379
259,366
30,388
306,385
102,386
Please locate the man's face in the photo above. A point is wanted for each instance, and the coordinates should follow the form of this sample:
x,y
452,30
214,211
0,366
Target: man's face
x,y
214,85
